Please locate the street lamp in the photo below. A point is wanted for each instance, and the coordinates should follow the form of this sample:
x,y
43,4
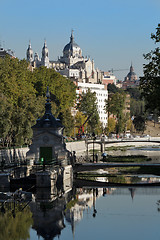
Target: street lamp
x,y
94,138
94,203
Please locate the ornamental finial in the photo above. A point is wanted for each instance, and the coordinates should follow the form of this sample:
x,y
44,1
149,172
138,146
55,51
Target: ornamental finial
x,y
48,94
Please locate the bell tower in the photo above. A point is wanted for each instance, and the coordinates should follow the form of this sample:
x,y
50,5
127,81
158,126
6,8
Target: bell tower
x,y
45,55
29,53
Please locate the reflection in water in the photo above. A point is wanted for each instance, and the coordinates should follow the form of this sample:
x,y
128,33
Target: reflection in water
x,y
15,221
51,211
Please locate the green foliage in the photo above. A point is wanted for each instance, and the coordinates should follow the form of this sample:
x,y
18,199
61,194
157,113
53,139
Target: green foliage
x,y
115,105
150,82
19,103
5,117
88,106
18,227
22,98
134,93
67,121
63,90
119,148
139,123
111,126
112,88
80,119
137,107
71,204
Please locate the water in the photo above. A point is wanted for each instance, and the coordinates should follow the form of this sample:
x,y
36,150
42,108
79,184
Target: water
x,y
86,213
120,217
70,213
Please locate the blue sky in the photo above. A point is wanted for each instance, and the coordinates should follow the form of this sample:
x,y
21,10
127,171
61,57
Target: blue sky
x,y
112,32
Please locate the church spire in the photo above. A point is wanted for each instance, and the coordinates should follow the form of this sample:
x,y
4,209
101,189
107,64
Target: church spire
x,y
72,37
131,68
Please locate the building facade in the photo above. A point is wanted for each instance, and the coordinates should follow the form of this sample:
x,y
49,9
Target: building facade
x,y
8,52
108,77
81,70
101,94
72,64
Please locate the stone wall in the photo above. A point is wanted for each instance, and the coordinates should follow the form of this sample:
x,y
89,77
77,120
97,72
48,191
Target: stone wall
x,y
20,153
79,147
10,155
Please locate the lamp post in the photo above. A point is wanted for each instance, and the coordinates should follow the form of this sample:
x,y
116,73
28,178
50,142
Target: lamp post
x,y
93,135
94,203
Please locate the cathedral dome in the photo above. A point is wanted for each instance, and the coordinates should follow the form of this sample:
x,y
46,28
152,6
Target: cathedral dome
x,y
131,76
72,48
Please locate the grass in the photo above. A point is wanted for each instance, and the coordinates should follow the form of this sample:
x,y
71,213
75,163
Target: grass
x,y
141,170
119,174
129,159
122,148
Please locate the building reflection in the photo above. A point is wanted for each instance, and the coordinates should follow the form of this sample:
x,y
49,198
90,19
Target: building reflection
x,y
53,208
48,209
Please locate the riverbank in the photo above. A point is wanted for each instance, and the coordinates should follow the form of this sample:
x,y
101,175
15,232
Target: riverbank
x,y
80,147
152,129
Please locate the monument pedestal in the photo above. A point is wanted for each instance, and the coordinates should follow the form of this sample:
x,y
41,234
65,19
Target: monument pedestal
x,y
46,179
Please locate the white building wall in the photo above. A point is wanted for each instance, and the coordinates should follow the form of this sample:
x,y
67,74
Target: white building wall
x,y
74,73
101,94
109,76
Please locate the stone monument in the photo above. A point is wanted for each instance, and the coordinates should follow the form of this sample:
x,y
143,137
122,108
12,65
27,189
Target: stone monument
x,y
48,141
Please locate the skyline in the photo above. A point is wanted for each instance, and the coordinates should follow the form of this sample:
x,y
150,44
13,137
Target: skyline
x,y
113,33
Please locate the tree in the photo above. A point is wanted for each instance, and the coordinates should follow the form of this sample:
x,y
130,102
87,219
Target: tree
x,y
116,105
68,121
5,118
79,120
18,226
63,94
134,93
150,82
137,107
139,123
22,99
88,106
112,88
63,90
111,125
19,103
